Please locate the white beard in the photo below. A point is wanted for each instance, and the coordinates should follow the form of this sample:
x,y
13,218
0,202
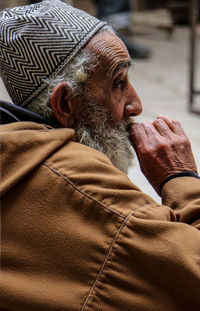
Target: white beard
x,y
97,133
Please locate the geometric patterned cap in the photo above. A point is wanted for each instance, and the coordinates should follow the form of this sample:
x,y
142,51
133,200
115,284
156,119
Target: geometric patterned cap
x,y
37,41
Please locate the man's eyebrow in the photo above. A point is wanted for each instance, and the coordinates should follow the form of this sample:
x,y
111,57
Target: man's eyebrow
x,y
123,64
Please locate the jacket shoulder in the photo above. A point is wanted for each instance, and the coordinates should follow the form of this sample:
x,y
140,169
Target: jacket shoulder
x,y
92,173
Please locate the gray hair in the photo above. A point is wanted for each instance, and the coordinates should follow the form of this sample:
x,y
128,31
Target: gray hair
x,y
75,74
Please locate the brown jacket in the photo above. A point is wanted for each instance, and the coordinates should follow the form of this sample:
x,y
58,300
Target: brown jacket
x,y
78,235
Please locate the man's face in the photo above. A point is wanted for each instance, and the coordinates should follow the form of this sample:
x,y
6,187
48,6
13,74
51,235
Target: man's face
x,y
109,82
107,101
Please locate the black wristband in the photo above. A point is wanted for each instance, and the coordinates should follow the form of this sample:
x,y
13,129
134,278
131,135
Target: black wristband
x,y
181,174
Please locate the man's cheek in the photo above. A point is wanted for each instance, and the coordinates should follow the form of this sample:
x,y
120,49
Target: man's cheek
x,y
117,96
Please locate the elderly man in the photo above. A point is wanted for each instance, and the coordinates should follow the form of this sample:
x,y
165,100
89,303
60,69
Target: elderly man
x,y
76,233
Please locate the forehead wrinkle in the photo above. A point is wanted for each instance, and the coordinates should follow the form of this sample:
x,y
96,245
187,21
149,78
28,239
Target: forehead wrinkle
x,y
112,53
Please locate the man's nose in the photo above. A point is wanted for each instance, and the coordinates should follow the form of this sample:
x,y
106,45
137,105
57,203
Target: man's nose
x,y
133,105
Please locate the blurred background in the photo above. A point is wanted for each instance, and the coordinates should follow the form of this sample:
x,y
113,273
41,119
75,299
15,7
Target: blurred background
x,y
163,38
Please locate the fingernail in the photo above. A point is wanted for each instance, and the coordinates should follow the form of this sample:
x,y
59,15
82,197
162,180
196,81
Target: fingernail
x,y
131,120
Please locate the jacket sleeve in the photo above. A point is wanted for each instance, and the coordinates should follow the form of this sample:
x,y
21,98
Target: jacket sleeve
x,y
183,196
154,261
152,265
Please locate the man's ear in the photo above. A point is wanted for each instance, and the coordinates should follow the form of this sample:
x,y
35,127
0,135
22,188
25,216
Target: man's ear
x,y
61,105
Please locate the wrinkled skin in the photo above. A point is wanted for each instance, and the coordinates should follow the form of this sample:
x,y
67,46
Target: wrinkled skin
x,y
163,149
109,83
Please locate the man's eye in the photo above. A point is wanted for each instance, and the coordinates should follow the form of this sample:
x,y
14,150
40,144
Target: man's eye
x,y
119,84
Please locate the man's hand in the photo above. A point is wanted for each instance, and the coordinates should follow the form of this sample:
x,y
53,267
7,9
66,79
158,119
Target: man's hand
x,y
163,149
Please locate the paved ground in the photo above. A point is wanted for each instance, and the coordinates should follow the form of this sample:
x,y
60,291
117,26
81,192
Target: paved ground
x,y
162,83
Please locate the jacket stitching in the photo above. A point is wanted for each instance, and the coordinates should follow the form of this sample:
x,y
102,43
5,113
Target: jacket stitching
x,y
105,261
57,172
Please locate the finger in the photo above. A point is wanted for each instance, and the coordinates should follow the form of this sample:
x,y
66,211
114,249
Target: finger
x,y
174,125
150,130
162,127
138,134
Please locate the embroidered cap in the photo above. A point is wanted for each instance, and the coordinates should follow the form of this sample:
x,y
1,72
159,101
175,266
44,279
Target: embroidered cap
x,y
37,41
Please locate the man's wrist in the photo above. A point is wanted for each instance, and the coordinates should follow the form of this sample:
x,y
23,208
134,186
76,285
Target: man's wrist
x,y
180,174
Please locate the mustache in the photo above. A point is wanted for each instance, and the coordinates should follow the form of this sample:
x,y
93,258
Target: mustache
x,y
130,120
